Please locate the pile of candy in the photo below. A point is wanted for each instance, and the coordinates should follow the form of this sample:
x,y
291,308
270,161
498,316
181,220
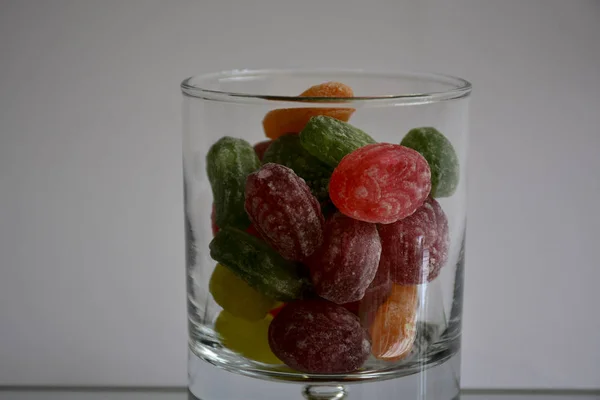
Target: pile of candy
x,y
322,236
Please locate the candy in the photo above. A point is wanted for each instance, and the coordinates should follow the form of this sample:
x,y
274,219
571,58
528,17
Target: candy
x,y
283,210
287,150
316,336
248,338
251,229
380,183
393,329
415,249
258,265
261,147
228,163
346,263
292,120
213,221
375,295
440,155
237,297
330,140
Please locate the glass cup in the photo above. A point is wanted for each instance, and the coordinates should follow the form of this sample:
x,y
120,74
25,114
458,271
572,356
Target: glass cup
x,y
325,233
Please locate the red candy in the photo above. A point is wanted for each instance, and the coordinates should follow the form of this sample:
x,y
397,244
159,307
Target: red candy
x,y
380,183
416,248
261,147
346,263
316,336
284,212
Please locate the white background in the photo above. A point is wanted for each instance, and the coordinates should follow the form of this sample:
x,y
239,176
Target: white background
x,y
91,233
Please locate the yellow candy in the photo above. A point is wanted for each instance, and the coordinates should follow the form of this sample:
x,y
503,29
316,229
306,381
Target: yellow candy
x,y
250,339
237,297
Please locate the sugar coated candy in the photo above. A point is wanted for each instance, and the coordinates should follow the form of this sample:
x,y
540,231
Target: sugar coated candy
x,y
292,120
284,211
228,163
261,147
287,150
248,338
330,140
380,183
415,249
393,329
342,269
316,336
237,297
440,154
258,264
375,295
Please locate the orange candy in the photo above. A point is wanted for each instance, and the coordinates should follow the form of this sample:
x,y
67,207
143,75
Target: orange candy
x,y
393,329
292,120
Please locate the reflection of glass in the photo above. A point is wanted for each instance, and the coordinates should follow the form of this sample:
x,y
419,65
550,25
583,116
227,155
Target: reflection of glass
x,y
425,360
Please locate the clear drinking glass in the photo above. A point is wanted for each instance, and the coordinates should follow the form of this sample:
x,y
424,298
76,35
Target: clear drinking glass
x,y
402,339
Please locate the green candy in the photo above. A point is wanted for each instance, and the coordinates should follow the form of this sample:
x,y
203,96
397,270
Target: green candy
x,y
440,155
329,139
258,264
287,150
237,297
228,162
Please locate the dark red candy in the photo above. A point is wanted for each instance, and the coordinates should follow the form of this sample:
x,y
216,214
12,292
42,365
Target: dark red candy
x,y
415,248
375,295
213,223
345,265
261,147
380,182
284,212
316,336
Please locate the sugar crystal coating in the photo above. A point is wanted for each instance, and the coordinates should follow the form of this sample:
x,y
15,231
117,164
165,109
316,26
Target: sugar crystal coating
x,y
416,248
228,163
282,208
316,336
287,150
258,265
440,155
330,140
292,120
380,183
342,269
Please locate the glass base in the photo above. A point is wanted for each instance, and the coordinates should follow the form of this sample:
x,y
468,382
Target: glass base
x,y
207,382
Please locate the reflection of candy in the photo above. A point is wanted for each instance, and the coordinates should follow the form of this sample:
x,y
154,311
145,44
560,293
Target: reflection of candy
x,y
237,297
250,339
440,155
416,248
393,328
284,211
317,336
346,263
258,264
380,183
292,120
228,163
261,147
330,140
287,150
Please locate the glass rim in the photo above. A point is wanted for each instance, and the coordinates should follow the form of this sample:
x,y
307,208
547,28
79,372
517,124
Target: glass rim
x,y
195,86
